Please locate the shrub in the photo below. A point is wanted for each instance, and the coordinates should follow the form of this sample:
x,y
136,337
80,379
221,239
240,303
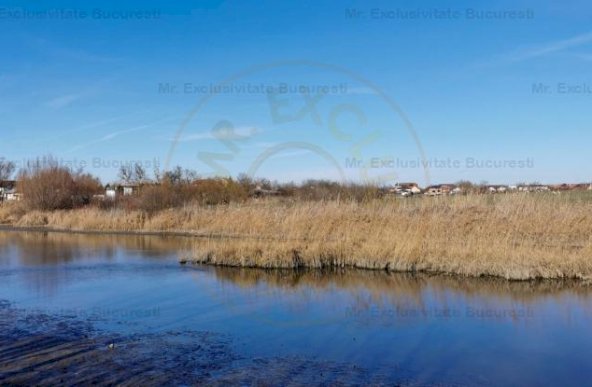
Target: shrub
x,y
48,186
205,192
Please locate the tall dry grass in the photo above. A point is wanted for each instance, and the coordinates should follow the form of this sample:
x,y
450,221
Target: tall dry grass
x,y
512,236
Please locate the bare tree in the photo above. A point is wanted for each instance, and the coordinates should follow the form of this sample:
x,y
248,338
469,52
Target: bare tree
x,y
139,172
174,176
190,175
6,169
126,173
157,174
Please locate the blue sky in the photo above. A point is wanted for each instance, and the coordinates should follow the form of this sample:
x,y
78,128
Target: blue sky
x,y
402,92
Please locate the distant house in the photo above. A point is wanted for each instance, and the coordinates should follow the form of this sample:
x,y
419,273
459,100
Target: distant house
x,y
433,190
114,190
6,185
534,188
441,189
129,189
405,189
8,191
259,192
498,189
11,195
540,188
456,191
110,192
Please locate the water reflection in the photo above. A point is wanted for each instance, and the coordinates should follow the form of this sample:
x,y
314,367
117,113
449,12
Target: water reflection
x,y
38,248
389,298
49,260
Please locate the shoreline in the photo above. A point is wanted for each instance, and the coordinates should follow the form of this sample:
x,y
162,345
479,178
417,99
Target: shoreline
x,y
511,237
45,229
192,261
303,269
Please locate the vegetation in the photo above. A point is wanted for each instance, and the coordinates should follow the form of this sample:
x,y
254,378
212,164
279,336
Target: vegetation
x,y
322,224
521,236
47,186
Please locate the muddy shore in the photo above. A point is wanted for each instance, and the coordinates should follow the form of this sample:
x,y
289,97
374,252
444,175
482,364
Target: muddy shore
x,y
41,349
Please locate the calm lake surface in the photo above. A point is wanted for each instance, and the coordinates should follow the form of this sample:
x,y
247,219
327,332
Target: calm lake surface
x,y
249,326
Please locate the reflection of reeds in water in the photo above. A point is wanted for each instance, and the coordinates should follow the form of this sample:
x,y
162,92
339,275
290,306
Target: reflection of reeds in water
x,y
410,284
39,248
44,253
418,293
515,236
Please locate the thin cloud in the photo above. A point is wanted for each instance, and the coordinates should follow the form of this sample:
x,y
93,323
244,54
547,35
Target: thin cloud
x,y
586,57
113,135
68,99
549,48
239,133
52,49
63,101
292,154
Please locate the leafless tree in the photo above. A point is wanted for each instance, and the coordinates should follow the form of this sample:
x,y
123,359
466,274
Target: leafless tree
x,y
175,176
6,169
190,175
126,173
139,172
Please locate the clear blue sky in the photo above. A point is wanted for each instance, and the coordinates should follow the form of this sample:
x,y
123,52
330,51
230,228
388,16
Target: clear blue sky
x,y
411,84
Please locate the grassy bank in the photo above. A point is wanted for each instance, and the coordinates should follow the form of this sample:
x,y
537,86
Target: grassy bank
x,y
518,236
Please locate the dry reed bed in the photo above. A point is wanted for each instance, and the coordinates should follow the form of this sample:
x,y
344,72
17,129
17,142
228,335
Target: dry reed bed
x,y
511,236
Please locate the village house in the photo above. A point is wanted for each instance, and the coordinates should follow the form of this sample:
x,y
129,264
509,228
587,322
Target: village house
x,y
456,191
260,191
540,188
405,189
112,191
498,189
534,188
441,189
8,191
434,190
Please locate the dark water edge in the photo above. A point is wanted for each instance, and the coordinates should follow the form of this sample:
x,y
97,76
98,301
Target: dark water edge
x,y
42,349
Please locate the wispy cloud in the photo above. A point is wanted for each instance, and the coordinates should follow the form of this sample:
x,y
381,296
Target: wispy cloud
x,y
548,48
50,48
68,97
63,101
586,57
229,134
291,154
110,136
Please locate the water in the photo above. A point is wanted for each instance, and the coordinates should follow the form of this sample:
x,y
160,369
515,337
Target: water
x,y
305,327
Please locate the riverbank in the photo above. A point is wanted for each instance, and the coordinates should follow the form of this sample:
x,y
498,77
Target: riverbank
x,y
517,237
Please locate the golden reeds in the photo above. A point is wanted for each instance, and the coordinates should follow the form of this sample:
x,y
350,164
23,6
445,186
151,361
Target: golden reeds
x,y
517,236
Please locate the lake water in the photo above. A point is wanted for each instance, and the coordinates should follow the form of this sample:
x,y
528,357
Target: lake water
x,y
245,326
